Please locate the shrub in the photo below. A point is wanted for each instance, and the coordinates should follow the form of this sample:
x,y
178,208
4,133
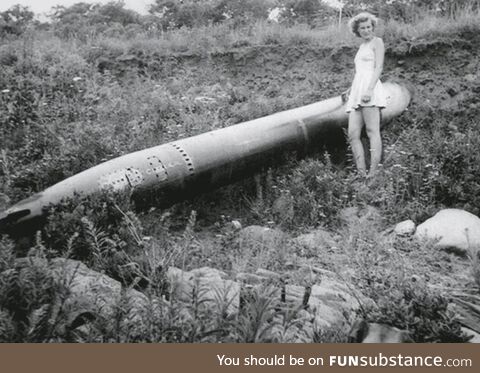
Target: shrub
x,y
413,306
30,298
100,221
401,298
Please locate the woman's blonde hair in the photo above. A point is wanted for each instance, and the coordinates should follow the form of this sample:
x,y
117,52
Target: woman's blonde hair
x,y
359,18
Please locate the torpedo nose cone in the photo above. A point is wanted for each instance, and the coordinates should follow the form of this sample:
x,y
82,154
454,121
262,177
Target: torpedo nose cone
x,y
12,216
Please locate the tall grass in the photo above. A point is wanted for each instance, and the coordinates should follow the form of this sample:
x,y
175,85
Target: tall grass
x,y
222,37
67,105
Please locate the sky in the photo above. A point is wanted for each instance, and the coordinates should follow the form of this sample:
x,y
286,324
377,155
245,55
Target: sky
x,y
44,6
40,7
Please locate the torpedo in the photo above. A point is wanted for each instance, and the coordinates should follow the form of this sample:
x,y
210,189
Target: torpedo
x,y
208,160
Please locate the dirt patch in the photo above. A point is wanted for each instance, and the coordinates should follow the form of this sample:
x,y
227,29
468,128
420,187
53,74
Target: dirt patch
x,y
443,69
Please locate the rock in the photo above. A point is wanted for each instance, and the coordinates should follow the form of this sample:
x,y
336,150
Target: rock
x,y
91,293
405,228
328,302
205,286
453,127
475,337
470,77
236,225
207,272
268,275
283,208
452,91
249,278
255,235
325,306
260,276
331,300
453,229
365,332
315,240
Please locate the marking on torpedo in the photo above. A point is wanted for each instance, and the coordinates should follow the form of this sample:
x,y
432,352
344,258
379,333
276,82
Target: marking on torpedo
x,y
121,179
157,168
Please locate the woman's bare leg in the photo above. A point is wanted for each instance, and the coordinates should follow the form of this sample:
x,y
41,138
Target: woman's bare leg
x,y
355,124
371,117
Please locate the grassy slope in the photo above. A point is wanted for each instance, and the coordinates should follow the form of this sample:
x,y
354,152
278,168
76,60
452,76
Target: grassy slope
x,y
138,92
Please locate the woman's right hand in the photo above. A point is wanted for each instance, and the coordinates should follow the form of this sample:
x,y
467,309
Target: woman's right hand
x,y
344,95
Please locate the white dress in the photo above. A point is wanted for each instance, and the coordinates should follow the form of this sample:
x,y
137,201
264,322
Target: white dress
x,y
364,69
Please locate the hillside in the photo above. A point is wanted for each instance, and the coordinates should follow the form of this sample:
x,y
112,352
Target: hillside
x,y
68,106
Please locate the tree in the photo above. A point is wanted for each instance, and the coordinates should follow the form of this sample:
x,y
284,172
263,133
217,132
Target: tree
x,y
408,10
244,11
115,12
15,20
190,13
311,12
82,19
183,13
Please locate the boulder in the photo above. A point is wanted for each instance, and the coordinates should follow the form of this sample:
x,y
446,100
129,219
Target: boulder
x,y
328,302
331,300
283,208
405,228
206,286
320,307
99,296
325,303
365,332
89,295
474,336
235,225
268,275
452,229
249,278
470,77
315,240
258,236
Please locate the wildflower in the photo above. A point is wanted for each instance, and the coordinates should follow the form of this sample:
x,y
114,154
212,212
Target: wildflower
x,y
76,79
5,91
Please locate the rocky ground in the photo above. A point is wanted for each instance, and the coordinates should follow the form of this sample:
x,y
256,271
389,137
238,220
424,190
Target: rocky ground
x,y
330,273
444,74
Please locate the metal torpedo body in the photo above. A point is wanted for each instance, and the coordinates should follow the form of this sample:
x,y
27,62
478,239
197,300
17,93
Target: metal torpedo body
x,y
207,160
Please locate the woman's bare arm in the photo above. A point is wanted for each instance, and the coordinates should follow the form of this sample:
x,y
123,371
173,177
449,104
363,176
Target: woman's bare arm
x,y
379,50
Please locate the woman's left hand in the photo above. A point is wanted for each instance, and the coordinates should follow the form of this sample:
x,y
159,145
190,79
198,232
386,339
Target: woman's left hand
x,y
367,96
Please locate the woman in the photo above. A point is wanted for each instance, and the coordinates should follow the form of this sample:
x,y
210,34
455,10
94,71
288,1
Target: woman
x,y
366,97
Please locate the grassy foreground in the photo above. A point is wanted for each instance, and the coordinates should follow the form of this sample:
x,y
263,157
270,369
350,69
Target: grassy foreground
x,y
66,105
